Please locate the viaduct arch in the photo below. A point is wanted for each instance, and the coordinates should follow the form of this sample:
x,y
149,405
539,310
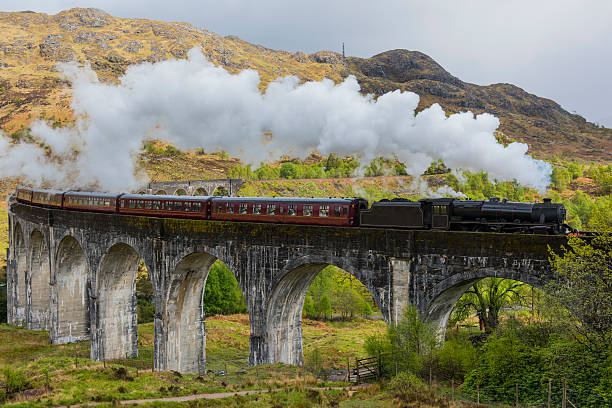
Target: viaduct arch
x,y
93,260
194,187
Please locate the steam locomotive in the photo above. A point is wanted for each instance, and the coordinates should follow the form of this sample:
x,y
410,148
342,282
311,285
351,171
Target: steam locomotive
x,y
493,215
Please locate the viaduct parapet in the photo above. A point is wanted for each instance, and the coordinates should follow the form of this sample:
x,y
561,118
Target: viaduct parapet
x,y
74,274
228,187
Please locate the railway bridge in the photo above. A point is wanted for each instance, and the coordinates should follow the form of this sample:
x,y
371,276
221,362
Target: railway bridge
x,y
227,187
74,273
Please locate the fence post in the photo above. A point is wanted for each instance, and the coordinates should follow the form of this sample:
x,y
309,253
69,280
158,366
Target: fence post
x,y
379,365
348,370
564,397
549,392
357,368
516,395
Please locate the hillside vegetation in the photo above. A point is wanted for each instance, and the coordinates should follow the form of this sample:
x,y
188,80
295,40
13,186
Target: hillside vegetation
x,y
31,44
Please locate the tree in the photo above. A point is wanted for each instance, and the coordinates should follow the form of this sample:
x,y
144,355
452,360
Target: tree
x,y
323,309
289,171
413,341
585,284
222,294
560,178
487,298
348,302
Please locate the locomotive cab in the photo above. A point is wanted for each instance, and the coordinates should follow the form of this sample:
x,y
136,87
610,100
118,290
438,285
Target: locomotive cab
x,y
437,212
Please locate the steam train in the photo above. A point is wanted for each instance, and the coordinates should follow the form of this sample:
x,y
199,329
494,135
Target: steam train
x,y
493,215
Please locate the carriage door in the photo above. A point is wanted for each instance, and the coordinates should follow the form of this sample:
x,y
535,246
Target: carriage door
x,y
439,219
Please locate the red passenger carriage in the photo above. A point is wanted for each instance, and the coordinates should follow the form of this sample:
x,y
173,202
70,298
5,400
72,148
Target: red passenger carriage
x,y
165,205
86,201
283,210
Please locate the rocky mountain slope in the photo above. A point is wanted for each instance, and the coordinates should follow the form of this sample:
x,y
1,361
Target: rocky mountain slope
x,y
31,44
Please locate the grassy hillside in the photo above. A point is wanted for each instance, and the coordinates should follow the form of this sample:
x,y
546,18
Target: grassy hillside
x,y
33,43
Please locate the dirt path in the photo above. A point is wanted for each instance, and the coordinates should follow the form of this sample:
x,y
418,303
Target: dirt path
x,y
211,396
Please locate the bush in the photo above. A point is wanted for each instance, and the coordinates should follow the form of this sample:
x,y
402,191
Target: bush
x,y
314,360
411,391
146,311
456,359
15,381
603,176
437,167
560,178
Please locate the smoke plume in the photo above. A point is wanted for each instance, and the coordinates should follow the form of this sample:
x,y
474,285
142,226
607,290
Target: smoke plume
x,y
192,103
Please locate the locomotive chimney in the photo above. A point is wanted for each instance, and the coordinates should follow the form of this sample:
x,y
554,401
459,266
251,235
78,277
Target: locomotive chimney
x,y
547,200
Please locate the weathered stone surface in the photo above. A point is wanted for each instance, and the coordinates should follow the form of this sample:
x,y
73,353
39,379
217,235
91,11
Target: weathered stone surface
x,y
93,260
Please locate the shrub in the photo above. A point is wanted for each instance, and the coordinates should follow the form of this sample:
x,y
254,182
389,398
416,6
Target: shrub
x,y
412,392
15,380
603,176
560,178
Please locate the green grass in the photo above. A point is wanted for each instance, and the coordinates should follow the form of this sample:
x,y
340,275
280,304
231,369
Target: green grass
x,y
56,376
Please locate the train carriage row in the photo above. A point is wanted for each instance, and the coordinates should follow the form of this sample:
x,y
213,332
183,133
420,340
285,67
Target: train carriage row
x,y
491,215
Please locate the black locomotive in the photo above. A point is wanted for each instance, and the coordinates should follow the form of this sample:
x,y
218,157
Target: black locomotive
x,y
493,215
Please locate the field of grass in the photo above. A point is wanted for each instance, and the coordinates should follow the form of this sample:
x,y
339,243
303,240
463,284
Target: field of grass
x,y
61,374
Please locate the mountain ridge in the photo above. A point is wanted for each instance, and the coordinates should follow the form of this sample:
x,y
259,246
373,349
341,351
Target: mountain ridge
x,y
31,44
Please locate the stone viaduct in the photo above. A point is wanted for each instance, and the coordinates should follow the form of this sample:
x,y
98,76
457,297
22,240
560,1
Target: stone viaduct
x,y
73,273
228,187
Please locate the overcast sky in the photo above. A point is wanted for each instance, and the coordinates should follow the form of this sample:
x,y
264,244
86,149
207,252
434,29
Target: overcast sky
x,y
558,49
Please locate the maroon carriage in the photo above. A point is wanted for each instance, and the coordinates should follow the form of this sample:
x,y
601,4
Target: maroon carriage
x,y
86,201
298,210
165,205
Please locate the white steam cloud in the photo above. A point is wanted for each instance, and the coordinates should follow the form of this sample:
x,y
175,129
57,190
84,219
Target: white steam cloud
x,y
192,103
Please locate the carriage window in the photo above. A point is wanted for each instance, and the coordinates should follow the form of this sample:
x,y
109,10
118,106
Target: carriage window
x,y
148,205
196,206
230,208
178,206
169,205
139,204
324,211
292,209
243,208
219,208
344,210
132,204
156,205
122,203
256,208
436,209
307,210
443,209
337,210
187,206
280,209
271,209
